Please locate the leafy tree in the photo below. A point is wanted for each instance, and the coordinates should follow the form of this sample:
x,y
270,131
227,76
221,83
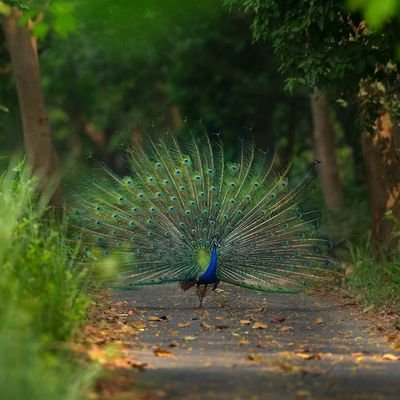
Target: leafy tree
x,y
322,44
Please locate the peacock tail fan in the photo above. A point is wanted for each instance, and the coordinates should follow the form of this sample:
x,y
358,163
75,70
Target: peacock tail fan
x,y
159,224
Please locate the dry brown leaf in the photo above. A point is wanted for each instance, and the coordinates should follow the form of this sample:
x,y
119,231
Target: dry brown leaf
x,y
221,326
254,357
206,325
318,321
277,319
154,318
391,357
163,353
244,322
184,324
243,342
174,344
259,325
308,356
285,329
138,365
140,325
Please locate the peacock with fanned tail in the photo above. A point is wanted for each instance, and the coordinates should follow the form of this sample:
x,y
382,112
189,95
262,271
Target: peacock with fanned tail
x,y
186,215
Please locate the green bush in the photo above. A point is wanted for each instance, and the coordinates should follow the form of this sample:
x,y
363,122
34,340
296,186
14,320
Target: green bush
x,y
42,301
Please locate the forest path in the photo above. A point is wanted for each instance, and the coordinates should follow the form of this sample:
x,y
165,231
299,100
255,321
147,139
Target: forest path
x,y
251,345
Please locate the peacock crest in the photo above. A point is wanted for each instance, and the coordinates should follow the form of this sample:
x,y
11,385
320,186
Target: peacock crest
x,y
185,210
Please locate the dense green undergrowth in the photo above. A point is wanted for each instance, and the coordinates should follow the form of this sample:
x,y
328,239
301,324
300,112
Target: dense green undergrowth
x,y
42,301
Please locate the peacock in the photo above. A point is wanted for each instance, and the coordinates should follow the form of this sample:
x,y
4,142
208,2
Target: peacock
x,y
187,215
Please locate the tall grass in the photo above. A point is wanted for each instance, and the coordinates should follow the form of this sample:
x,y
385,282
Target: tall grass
x,y
41,298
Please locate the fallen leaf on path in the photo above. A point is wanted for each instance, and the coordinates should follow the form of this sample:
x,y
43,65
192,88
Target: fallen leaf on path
x,y
206,325
221,326
244,322
174,344
184,324
278,320
259,325
254,357
189,338
138,365
140,325
307,356
155,318
286,329
163,353
318,321
243,342
391,357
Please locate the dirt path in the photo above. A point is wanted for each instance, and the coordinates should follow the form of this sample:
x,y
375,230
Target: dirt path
x,y
249,345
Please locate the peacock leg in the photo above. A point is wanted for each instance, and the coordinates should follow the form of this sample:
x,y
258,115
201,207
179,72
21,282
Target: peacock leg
x,y
201,292
216,285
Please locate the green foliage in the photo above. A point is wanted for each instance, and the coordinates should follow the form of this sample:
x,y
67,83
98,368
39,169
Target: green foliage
x,y
376,281
376,12
322,44
41,298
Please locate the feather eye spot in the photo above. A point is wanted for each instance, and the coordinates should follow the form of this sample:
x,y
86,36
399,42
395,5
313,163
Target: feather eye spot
x,y
182,189
152,209
210,171
232,185
178,172
272,196
98,223
256,185
232,201
121,199
212,222
239,213
216,205
141,195
158,165
116,216
182,225
182,237
150,221
202,194
166,182
197,178
131,223
79,237
170,208
200,220
285,225
188,212
248,198
186,160
159,195
213,188
225,217
173,198
135,209
193,231
98,208
205,212
151,179
192,203
205,230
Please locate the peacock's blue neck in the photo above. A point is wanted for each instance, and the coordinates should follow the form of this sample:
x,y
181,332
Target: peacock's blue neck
x,y
210,275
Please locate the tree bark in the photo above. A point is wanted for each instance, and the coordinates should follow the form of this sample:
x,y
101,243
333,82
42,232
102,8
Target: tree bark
x,y
381,152
325,150
41,155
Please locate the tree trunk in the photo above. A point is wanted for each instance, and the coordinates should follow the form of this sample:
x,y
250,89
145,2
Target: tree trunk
x,y
41,155
325,150
381,152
